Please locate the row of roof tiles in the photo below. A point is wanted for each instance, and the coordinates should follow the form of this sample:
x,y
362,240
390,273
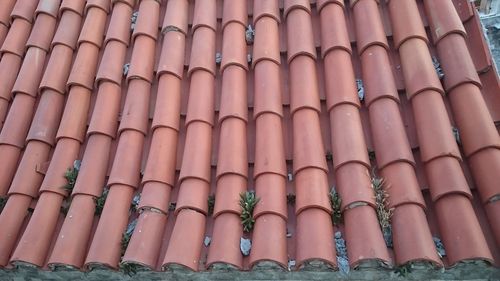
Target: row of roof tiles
x,y
62,95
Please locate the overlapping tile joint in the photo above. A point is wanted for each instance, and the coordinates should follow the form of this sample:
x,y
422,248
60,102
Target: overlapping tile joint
x,y
129,131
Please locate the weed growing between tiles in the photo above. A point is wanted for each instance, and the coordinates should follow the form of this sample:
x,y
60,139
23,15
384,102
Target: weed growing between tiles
x,y
71,174
384,214
248,201
99,202
290,199
336,202
211,204
404,270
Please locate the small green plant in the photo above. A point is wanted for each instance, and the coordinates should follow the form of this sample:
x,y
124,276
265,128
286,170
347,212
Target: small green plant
x,y
336,202
3,201
129,268
248,201
99,202
403,270
71,174
290,198
384,214
211,204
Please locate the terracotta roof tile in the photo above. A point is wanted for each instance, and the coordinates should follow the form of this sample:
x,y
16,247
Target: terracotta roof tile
x,y
185,105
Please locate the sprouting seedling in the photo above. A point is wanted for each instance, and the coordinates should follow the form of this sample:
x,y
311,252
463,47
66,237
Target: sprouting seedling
x,y
71,174
371,155
403,270
129,268
211,204
99,202
336,202
290,198
384,214
248,201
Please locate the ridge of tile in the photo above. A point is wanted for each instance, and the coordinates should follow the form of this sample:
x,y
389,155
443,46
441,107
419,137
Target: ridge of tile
x,y
422,75
142,63
304,88
172,54
267,80
48,113
456,59
320,4
84,67
16,208
49,7
194,178
76,6
266,42
24,9
42,33
290,5
368,15
57,70
300,39
91,177
119,24
480,138
9,67
234,105
232,166
441,158
167,107
187,238
160,169
394,155
203,43
312,207
124,176
201,97
5,11
72,251
17,37
404,11
234,50
342,90
111,65
17,122
234,11
176,16
67,36
74,119
204,16
266,8
105,247
333,36
93,27
130,3
147,25
441,26
31,72
100,4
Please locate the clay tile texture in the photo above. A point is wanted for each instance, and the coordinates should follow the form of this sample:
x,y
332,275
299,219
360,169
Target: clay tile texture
x,y
247,140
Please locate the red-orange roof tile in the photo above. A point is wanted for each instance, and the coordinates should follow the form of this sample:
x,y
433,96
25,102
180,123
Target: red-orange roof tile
x,y
178,107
